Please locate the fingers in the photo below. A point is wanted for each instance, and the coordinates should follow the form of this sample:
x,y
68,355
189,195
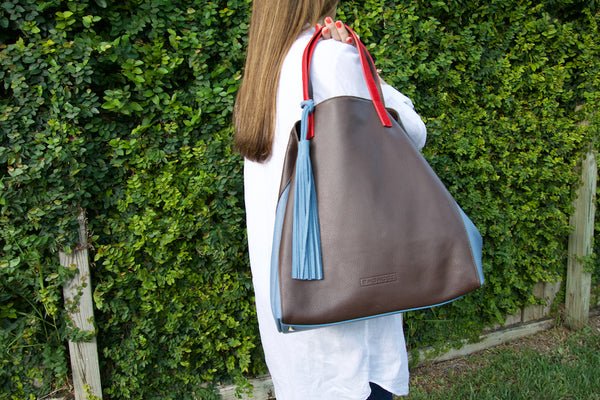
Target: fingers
x,y
332,28
342,32
336,30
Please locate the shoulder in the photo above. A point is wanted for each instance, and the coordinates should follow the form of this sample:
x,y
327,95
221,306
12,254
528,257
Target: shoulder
x,y
330,57
332,52
336,71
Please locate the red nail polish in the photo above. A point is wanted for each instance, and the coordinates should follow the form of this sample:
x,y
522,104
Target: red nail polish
x,y
325,31
349,40
338,24
328,20
317,26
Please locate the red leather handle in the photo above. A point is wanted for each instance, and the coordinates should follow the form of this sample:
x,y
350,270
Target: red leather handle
x,y
369,73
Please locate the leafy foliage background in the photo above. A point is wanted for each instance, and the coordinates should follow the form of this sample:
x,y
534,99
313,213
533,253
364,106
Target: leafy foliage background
x,y
123,109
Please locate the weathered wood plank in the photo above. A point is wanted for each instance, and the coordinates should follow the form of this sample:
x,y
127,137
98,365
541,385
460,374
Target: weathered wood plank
x,y
493,339
77,294
577,302
550,292
535,311
513,319
547,292
263,390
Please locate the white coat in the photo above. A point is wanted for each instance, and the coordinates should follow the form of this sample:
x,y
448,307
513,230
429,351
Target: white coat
x,y
335,362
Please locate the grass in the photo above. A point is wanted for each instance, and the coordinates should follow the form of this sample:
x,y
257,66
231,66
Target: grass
x,y
552,365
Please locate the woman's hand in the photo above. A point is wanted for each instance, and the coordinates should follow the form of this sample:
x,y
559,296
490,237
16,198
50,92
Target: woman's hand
x,y
335,30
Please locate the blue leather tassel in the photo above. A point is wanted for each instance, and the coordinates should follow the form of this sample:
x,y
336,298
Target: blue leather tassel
x,y
306,240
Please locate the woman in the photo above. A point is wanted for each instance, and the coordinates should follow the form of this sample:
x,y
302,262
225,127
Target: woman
x,y
353,361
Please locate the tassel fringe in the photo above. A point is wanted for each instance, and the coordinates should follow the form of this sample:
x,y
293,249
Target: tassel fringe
x,y
307,263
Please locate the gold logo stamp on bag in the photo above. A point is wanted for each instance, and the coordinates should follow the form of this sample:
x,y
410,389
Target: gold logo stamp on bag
x,y
378,280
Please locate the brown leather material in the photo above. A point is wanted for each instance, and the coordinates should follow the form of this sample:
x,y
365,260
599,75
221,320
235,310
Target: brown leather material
x,y
392,237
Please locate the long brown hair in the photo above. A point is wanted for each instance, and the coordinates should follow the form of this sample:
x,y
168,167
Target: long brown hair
x,y
274,26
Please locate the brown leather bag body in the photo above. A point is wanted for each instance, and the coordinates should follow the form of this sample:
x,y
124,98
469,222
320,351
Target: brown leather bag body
x,y
392,238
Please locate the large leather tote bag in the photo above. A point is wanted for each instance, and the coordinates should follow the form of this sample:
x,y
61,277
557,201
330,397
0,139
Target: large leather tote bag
x,y
371,230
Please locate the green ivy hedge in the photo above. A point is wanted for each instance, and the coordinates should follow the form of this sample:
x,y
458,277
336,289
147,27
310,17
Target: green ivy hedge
x,y
123,109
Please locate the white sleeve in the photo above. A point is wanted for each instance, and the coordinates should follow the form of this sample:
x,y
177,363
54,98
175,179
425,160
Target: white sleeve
x,y
412,122
336,71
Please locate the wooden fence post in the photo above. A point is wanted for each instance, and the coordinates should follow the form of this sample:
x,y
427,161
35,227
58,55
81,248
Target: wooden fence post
x,y
77,294
577,302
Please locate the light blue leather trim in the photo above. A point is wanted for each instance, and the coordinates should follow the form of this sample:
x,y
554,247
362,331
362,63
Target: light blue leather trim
x,y
476,242
275,294
285,328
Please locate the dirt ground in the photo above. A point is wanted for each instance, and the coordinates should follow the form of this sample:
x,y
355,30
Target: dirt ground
x,y
428,376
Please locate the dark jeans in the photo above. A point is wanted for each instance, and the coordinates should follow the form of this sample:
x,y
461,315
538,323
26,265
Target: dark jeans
x,y
378,393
